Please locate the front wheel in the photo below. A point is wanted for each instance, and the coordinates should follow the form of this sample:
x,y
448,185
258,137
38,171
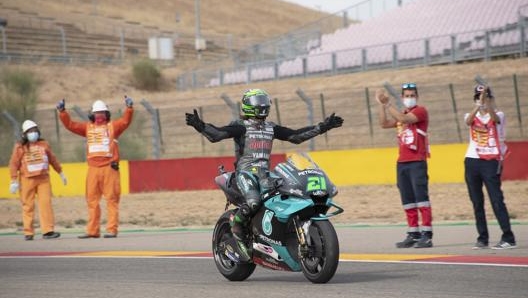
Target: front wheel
x,y
321,263
229,269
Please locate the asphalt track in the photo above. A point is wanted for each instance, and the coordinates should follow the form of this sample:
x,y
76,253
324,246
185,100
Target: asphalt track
x,y
178,263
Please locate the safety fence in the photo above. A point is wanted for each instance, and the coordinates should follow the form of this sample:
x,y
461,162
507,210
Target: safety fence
x,y
161,132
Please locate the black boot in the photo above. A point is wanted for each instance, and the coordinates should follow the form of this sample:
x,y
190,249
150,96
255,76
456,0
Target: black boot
x,y
409,241
238,225
425,241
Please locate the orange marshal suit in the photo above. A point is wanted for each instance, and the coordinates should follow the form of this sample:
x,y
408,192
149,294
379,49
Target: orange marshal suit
x,y
101,180
30,164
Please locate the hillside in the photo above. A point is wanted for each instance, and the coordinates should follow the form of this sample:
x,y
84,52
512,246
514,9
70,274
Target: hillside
x,y
254,19
84,84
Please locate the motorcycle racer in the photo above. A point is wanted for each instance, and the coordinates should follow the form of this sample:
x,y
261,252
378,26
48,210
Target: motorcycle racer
x,y
253,137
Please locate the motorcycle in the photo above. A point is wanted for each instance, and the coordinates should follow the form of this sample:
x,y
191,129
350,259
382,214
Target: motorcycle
x,y
290,232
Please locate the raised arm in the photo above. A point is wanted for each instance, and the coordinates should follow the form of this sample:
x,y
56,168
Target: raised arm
x,y
212,133
300,135
73,126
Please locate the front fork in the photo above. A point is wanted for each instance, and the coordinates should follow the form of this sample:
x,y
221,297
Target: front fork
x,y
302,231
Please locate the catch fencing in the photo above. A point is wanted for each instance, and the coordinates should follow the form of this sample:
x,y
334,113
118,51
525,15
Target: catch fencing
x,y
161,132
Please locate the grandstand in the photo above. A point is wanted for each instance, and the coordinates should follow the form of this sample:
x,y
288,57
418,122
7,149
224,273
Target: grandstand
x,y
424,32
33,37
115,32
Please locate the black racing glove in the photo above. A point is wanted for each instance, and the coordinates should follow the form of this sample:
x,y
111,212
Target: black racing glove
x,y
195,121
330,122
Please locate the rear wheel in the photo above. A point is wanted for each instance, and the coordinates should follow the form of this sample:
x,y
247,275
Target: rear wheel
x,y
229,269
321,263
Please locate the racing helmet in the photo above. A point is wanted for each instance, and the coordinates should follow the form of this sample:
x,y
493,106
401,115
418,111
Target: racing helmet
x,y
256,103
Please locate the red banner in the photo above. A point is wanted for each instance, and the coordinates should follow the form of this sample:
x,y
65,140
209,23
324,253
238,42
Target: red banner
x,y
516,164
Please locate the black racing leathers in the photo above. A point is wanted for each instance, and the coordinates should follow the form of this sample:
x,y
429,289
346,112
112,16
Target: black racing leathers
x,y
253,143
254,139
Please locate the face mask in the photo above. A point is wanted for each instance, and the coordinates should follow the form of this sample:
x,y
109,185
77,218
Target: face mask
x,y
32,136
409,102
99,118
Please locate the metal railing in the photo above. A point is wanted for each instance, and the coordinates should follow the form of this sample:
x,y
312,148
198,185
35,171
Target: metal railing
x,y
464,46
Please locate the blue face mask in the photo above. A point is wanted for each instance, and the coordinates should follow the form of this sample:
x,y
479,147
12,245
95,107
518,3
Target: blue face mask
x,y
32,136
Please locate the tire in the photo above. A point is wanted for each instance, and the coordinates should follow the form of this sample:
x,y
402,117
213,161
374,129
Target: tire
x,y
321,266
229,269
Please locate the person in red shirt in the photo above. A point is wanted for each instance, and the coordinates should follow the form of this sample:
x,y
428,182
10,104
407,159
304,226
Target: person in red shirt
x,y
412,176
102,156
29,170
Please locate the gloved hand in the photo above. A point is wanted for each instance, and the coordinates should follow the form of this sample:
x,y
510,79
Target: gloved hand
x,y
195,121
63,178
13,187
330,122
128,101
61,105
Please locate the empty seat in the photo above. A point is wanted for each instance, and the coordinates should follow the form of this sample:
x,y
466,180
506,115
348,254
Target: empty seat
x,y
409,26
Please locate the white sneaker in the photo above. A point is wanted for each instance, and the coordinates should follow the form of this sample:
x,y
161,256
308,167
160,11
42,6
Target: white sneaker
x,y
504,245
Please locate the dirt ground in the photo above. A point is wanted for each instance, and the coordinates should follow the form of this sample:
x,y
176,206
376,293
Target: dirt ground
x,y
377,204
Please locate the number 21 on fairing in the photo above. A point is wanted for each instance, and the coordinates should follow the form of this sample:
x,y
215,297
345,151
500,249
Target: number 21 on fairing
x,y
316,183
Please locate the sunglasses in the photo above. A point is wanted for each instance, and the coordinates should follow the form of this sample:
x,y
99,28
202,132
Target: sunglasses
x,y
409,86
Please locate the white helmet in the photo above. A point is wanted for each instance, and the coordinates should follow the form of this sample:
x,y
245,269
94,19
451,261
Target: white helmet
x,y
99,106
27,125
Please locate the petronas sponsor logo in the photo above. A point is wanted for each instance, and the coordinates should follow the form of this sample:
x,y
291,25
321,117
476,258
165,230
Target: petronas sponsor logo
x,y
264,135
267,227
310,172
270,241
297,192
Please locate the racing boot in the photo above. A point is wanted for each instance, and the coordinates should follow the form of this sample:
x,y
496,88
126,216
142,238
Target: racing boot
x,y
238,223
